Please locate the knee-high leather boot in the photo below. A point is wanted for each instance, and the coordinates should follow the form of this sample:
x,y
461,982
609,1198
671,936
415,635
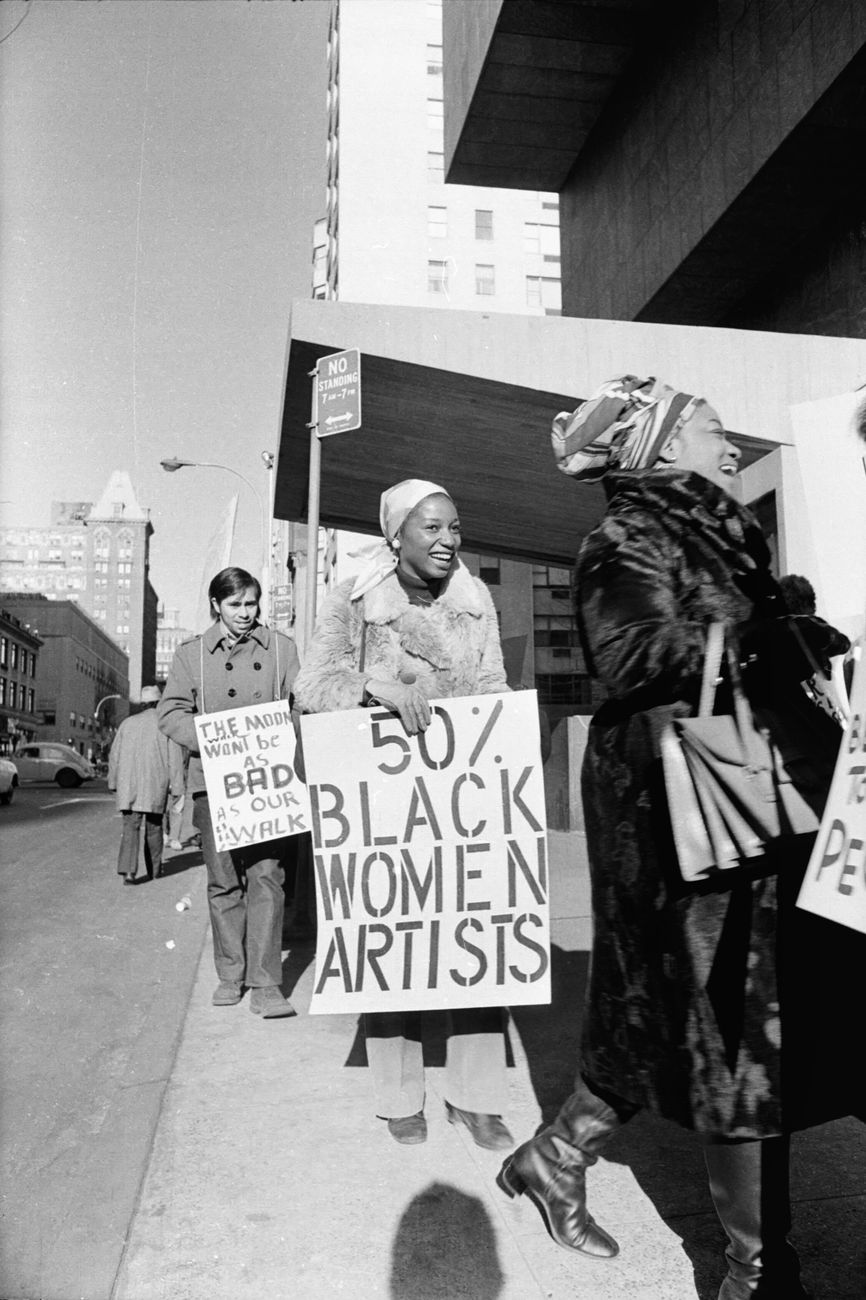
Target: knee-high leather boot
x,y
551,1169
750,1190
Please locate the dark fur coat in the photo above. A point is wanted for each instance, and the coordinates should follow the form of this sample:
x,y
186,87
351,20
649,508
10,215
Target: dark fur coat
x,y
714,1005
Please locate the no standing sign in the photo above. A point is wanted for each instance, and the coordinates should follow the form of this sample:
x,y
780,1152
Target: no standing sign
x,y
338,392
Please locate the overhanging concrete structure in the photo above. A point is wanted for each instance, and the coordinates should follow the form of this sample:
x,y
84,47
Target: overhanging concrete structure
x,y
704,154
466,399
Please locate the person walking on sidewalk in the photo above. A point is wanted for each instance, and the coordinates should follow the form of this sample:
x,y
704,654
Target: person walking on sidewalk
x,y
144,767
711,1005
236,662
416,625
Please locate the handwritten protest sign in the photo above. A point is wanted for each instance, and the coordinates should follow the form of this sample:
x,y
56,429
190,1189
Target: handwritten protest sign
x,y
248,757
835,882
430,857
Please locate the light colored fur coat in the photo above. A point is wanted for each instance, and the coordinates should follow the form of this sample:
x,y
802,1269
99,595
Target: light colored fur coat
x,y
451,647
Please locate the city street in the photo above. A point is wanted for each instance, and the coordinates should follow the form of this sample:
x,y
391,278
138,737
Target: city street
x,y
92,1002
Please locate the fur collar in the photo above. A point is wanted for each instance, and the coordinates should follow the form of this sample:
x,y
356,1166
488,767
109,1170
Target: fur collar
x,y
388,601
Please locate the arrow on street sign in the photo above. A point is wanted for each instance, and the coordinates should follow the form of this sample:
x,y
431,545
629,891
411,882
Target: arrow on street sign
x,y
338,392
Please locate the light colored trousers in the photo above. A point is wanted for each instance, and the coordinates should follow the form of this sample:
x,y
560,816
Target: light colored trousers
x,y
475,1063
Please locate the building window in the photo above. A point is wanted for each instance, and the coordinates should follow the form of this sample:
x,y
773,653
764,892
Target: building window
x,y
13,695
24,662
435,113
4,652
483,223
435,167
2,690
531,237
484,279
564,688
31,700
437,222
558,633
124,568
13,655
437,277
544,291
434,60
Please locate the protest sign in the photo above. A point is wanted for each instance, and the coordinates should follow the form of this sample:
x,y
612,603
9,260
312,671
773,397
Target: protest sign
x,y
430,857
248,757
835,882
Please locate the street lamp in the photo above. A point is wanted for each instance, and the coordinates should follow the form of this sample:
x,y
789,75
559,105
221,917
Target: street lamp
x,y
172,464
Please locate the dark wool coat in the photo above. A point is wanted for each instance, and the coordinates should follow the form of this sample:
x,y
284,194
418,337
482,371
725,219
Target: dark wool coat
x,y
449,648
716,1005
206,676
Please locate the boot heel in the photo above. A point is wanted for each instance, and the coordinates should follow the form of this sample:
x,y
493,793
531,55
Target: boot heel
x,y
509,1180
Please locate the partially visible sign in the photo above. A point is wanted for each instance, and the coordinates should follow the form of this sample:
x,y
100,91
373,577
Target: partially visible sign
x,y
338,389
835,882
430,857
248,757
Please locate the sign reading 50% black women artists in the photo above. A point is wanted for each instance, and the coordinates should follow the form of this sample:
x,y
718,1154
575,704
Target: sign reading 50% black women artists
x,y
430,857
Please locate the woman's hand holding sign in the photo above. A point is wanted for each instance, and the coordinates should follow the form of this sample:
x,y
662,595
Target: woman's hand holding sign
x,y
406,700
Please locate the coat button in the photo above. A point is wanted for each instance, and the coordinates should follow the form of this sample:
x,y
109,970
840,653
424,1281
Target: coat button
x,y
257,667
231,692
229,667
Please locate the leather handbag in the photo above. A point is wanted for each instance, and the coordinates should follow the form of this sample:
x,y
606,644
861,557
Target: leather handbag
x,y
736,782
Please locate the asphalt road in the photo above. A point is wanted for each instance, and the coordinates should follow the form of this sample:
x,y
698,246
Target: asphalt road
x,y
95,980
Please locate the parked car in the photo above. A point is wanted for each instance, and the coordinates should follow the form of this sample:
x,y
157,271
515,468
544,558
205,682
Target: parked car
x,y
8,780
51,761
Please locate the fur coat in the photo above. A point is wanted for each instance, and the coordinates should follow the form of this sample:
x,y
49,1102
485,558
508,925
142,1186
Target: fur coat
x,y
449,648
714,1004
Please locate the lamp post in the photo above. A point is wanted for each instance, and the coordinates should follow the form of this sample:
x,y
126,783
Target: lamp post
x,y
173,463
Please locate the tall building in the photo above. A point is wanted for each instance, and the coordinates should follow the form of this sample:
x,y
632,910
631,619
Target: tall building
x,y
19,659
97,555
169,635
395,233
83,676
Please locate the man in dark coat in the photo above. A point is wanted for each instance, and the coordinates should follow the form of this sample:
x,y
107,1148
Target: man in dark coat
x,y
144,767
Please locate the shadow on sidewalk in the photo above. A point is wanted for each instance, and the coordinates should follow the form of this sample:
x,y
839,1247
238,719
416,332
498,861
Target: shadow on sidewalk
x,y
445,1246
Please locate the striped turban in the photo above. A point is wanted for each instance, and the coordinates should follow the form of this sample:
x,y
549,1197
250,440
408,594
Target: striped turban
x,y
624,425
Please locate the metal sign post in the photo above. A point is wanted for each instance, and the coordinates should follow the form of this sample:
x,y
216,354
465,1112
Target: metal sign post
x,y
336,408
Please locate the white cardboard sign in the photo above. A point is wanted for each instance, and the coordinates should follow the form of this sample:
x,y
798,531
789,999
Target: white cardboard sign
x,y
248,757
430,857
835,882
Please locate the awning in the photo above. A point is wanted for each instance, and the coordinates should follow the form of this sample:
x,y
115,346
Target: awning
x,y
486,441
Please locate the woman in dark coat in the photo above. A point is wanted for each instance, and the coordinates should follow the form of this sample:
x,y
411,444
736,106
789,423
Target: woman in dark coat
x,y
697,995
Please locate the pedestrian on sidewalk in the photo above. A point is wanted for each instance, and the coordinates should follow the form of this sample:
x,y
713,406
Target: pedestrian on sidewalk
x,y
144,769
236,662
711,1005
416,625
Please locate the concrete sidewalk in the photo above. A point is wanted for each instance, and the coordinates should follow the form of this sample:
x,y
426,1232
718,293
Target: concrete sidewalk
x,y
270,1179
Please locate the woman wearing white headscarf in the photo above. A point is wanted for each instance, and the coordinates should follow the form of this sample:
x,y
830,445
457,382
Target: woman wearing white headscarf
x,y
414,626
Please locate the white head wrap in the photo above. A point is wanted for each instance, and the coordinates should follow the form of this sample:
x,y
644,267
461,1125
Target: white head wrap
x,y
395,505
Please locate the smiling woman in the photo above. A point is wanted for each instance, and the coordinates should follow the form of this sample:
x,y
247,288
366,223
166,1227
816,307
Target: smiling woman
x,y
416,626
700,1006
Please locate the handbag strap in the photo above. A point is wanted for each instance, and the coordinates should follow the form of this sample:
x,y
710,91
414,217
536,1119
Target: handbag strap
x,y
712,667
363,655
721,641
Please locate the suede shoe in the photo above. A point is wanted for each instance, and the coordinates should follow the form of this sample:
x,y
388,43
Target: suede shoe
x,y
269,1003
129,879
487,1130
227,993
408,1129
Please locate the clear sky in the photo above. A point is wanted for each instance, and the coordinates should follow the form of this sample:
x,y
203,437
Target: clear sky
x,y
162,163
